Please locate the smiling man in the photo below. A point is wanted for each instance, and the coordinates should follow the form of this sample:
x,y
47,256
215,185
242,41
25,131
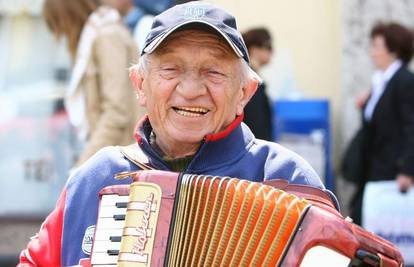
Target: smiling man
x,y
194,80
193,85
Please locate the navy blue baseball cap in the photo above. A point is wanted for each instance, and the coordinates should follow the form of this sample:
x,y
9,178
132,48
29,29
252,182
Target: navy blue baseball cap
x,y
196,13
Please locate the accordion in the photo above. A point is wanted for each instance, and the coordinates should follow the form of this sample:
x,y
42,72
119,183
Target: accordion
x,y
171,219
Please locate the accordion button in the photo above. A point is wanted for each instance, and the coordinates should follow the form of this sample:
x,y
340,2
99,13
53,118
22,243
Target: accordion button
x,y
112,252
115,238
119,217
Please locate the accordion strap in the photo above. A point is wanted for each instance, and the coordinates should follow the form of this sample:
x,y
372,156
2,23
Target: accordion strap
x,y
134,154
313,194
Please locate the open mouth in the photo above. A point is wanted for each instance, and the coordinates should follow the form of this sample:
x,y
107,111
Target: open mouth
x,y
191,112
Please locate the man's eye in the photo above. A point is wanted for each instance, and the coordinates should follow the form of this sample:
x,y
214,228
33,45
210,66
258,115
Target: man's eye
x,y
215,74
169,69
169,72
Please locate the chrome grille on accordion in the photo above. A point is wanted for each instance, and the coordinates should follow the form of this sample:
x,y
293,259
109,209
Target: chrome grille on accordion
x,y
167,219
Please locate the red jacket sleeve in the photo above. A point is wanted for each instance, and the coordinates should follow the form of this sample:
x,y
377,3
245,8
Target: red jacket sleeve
x,y
44,248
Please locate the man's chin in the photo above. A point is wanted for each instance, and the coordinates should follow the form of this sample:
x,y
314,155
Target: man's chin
x,y
190,139
184,136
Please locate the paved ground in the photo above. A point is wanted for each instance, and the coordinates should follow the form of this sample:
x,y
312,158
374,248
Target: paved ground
x,y
14,236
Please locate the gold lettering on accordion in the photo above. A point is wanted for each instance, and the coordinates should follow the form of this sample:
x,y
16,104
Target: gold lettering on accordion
x,y
140,225
142,230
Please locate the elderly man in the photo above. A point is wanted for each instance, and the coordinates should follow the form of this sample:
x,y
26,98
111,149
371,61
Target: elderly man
x,y
194,79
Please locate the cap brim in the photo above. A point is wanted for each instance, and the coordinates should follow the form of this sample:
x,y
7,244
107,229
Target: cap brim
x,y
159,39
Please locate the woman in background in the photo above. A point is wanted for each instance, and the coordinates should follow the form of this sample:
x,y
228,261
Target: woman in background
x,y
388,113
100,99
258,112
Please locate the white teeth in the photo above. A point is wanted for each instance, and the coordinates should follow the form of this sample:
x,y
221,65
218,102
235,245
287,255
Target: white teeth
x,y
191,112
200,110
188,114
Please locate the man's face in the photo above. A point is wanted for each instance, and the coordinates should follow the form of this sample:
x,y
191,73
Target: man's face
x,y
192,87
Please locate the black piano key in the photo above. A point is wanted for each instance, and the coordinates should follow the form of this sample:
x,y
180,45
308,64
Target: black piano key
x,y
119,217
121,204
115,238
112,252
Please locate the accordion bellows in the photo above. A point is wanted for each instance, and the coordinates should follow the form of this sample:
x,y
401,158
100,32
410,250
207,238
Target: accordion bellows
x,y
198,220
223,221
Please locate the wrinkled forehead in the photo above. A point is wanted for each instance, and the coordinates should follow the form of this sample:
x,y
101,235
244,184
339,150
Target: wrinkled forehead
x,y
197,37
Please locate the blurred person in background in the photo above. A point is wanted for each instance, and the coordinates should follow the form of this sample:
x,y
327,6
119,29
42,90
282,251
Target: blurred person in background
x,y
129,12
139,14
388,113
100,99
258,113
137,19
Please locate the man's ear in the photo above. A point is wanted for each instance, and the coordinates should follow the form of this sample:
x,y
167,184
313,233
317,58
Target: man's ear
x,y
246,94
137,78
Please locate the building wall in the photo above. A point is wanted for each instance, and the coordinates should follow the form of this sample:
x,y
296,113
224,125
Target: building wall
x,y
29,60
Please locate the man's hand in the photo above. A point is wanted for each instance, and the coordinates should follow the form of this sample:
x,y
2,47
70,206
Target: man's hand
x,y
404,182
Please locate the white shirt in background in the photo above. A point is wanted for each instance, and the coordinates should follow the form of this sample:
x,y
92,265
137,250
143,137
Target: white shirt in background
x,y
379,81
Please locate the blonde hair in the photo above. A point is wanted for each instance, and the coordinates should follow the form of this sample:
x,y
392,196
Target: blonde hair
x,y
67,18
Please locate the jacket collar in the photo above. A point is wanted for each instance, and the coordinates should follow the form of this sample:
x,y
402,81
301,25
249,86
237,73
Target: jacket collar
x,y
215,150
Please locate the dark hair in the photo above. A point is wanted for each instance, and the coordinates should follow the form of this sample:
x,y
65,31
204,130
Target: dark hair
x,y
398,39
259,37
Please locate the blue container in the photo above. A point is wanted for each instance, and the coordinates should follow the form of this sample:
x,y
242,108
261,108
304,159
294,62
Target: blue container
x,y
304,117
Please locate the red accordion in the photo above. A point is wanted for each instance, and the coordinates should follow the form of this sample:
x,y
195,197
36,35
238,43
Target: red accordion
x,y
171,219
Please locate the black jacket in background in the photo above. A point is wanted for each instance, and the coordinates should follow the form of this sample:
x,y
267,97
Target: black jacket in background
x,y
389,137
258,114
391,130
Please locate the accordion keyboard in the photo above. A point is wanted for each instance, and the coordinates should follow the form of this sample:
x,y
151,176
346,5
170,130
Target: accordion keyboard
x,y
110,224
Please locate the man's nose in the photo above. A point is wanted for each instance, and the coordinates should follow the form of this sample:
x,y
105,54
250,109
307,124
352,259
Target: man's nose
x,y
191,85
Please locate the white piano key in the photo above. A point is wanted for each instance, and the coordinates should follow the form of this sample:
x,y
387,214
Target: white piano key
x,y
105,234
103,258
111,200
109,223
109,211
104,246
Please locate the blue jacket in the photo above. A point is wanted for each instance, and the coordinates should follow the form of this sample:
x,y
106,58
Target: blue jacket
x,y
66,236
